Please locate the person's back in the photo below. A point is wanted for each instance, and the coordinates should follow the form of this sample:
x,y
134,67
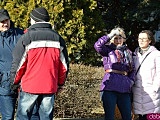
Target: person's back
x,y
41,61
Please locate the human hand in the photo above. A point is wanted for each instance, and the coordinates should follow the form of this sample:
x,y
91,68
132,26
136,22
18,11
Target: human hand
x,y
114,32
15,87
60,89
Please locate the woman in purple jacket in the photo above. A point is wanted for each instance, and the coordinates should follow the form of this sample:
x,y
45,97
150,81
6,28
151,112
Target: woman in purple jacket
x,y
119,73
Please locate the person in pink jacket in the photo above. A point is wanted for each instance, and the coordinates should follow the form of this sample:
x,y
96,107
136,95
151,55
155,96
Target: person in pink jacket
x,y
146,90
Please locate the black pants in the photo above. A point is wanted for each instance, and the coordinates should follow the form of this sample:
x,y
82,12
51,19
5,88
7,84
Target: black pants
x,y
142,117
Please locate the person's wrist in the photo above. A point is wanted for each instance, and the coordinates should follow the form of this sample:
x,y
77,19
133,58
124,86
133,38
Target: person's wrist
x,y
60,87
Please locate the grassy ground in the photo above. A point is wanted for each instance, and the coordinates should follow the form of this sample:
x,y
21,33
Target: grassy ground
x,y
81,96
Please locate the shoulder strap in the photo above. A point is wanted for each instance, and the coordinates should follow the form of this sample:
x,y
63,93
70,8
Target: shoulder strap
x,y
141,63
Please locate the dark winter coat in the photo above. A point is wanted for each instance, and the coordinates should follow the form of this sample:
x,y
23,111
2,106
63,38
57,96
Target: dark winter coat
x,y
8,39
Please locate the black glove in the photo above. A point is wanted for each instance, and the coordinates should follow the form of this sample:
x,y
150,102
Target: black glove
x,y
15,87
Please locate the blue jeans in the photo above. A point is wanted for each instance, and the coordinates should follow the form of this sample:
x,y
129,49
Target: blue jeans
x,y
123,101
7,106
35,113
27,103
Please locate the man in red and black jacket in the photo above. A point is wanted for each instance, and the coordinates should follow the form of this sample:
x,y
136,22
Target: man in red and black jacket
x,y
40,66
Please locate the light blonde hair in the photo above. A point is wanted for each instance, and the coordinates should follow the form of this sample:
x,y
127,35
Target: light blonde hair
x,y
122,34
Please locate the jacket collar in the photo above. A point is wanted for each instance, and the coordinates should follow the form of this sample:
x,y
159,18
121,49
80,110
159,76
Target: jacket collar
x,y
150,49
40,25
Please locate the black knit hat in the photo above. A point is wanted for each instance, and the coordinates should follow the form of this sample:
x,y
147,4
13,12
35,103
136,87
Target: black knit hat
x,y
4,15
40,15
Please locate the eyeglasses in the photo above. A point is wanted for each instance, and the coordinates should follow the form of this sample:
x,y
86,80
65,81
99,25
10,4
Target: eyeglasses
x,y
143,39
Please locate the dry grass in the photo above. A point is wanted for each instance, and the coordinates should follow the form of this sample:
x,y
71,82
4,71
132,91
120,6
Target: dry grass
x,y
80,98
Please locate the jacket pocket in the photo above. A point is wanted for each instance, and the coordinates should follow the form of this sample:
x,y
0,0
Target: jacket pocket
x,y
5,82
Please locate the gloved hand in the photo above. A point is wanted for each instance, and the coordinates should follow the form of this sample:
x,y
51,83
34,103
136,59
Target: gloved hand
x,y
14,87
114,32
60,89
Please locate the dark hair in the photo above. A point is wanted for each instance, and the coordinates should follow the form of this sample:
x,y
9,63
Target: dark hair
x,y
150,36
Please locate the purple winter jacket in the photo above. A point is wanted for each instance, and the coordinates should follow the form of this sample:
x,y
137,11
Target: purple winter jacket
x,y
113,81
